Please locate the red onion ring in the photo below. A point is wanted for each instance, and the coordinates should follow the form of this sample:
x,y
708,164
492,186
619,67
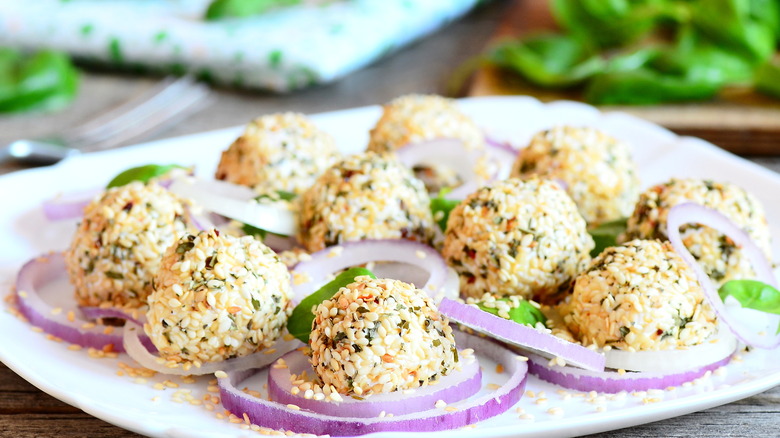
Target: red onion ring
x,y
31,278
236,202
504,155
450,152
668,361
68,205
612,381
686,213
451,388
521,335
273,415
334,259
94,313
501,145
133,345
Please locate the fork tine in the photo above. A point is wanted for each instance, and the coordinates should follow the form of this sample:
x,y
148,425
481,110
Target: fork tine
x,y
128,113
191,101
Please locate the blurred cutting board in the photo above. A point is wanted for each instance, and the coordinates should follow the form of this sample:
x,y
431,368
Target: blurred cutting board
x,y
740,120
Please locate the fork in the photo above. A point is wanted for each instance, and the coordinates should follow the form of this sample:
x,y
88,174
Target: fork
x,y
170,100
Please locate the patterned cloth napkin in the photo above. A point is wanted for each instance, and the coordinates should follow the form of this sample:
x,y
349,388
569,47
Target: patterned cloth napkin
x,y
280,50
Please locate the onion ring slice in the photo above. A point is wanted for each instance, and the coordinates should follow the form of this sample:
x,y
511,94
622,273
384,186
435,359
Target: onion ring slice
x,y
612,381
451,388
754,328
278,416
449,152
145,357
33,276
68,205
346,255
99,312
236,202
710,351
521,335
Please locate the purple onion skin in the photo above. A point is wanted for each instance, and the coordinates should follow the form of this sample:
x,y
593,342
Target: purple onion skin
x,y
277,416
611,381
46,268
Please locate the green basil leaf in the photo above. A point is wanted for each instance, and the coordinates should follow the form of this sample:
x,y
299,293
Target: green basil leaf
x,y
645,86
300,322
767,78
553,61
43,81
752,294
525,313
142,173
608,23
732,24
445,206
219,9
251,230
606,235
694,57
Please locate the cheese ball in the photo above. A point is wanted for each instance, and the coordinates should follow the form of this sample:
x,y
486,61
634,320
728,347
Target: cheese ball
x,y
720,258
378,336
415,117
517,237
595,168
639,296
278,152
117,248
365,196
217,297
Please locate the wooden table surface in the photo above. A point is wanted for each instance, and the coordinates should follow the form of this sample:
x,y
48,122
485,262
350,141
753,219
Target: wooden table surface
x,y
422,68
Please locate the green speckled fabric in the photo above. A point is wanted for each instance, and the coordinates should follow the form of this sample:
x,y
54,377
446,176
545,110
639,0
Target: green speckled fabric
x,y
281,50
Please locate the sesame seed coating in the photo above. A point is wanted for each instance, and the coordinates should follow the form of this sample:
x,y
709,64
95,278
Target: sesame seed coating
x,y
415,117
517,237
639,296
282,151
596,169
365,196
216,297
116,250
720,258
380,335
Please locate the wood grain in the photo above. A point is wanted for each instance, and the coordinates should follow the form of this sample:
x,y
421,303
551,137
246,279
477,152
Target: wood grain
x,y
738,120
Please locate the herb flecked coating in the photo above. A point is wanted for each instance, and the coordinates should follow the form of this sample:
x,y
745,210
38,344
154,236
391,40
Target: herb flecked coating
x,y
517,237
380,335
278,152
217,297
116,250
720,258
639,296
596,170
365,196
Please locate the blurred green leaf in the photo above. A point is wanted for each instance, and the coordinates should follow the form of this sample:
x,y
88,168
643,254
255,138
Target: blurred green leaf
x,y
768,78
736,26
549,60
44,81
443,205
645,86
142,173
606,235
608,23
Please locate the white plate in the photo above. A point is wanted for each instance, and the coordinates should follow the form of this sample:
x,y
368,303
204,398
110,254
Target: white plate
x,y
94,386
